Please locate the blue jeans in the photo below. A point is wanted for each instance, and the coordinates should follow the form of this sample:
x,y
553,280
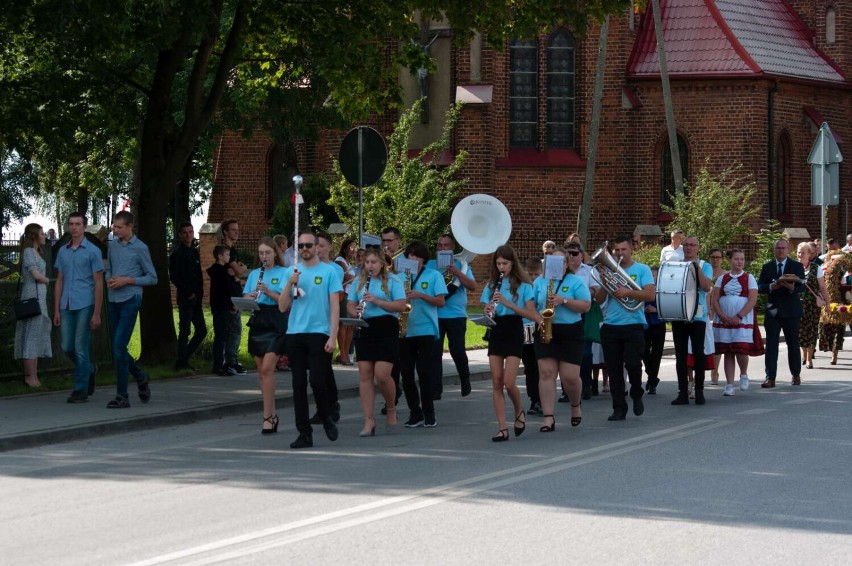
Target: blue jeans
x,y
76,337
122,320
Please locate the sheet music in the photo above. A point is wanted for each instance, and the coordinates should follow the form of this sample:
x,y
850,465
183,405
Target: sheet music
x,y
445,259
554,266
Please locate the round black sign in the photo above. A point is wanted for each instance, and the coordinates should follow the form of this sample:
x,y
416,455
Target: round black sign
x,y
363,156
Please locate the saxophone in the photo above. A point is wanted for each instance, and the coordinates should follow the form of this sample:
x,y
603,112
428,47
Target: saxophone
x,y
406,310
363,303
494,301
547,315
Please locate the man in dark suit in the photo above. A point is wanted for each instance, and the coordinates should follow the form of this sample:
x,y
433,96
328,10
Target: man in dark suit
x,y
783,311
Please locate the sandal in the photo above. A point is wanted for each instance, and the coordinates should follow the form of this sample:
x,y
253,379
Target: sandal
x,y
575,421
546,428
501,436
519,430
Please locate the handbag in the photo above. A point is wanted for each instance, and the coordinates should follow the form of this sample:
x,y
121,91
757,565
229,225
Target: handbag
x,y
27,308
592,323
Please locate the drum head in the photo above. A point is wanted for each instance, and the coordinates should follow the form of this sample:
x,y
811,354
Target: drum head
x,y
677,291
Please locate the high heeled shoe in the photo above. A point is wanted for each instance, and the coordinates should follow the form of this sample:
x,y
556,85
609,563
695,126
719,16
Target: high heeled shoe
x,y
546,428
273,420
368,431
519,430
575,421
501,436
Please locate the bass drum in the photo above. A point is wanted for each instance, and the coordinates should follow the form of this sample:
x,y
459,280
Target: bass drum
x,y
677,291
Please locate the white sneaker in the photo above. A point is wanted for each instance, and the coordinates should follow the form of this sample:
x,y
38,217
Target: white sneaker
x,y
729,390
743,383
691,392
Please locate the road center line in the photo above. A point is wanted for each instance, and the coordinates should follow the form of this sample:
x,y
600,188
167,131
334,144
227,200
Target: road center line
x,y
250,543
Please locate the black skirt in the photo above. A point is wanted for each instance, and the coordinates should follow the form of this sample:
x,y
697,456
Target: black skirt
x,y
566,345
267,331
507,337
378,342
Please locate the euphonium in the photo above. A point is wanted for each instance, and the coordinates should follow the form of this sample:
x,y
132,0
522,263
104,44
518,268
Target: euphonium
x,y
494,301
406,310
614,277
547,315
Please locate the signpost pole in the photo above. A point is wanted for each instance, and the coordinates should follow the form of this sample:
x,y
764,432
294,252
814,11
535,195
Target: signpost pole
x,y
360,185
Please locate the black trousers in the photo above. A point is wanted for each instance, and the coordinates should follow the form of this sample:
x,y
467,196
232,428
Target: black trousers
x,y
790,326
655,340
531,372
623,346
682,334
308,363
454,329
416,353
190,313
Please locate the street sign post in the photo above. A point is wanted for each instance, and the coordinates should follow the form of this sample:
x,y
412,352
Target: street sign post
x,y
825,159
363,157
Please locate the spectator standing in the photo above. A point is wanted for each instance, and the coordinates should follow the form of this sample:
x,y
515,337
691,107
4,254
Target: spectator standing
x,y
77,302
239,271
223,286
185,274
51,236
809,329
32,335
674,251
129,269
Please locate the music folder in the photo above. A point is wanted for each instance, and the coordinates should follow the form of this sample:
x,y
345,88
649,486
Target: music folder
x,y
243,304
482,320
360,323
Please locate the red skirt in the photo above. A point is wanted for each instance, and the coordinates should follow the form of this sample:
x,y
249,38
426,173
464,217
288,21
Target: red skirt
x,y
753,348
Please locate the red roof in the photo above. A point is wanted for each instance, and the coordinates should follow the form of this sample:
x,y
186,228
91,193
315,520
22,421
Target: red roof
x,y
729,38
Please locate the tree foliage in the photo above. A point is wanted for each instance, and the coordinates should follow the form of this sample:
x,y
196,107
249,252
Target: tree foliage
x,y
717,209
414,194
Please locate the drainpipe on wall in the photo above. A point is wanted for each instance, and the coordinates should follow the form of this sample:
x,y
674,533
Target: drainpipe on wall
x,y
770,158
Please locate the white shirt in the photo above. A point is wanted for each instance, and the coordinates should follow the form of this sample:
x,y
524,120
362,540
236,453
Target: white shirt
x,y
671,254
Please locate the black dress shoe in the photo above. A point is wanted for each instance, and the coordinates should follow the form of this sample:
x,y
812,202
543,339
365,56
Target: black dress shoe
x,y
330,430
335,412
304,441
681,399
586,394
465,387
699,397
638,406
316,418
618,415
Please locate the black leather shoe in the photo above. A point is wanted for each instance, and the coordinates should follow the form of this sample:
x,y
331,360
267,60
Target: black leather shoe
x,y
651,385
304,441
144,388
586,394
699,397
617,415
335,412
330,430
465,387
681,399
316,419
638,406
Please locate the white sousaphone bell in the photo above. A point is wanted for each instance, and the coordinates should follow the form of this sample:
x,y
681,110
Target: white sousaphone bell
x,y
480,225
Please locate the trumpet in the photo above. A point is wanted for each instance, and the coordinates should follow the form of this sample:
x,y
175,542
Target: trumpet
x,y
403,315
614,277
494,301
547,315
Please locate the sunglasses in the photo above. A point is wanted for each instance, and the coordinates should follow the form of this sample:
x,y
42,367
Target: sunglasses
x,y
573,252
307,245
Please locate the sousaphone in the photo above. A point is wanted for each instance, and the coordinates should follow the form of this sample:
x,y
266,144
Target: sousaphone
x,y
480,225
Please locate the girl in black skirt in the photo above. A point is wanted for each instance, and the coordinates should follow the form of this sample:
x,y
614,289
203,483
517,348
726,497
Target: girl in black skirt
x,y
377,298
267,326
508,296
570,298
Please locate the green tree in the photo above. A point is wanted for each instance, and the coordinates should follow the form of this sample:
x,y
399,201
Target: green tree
x,y
414,194
717,209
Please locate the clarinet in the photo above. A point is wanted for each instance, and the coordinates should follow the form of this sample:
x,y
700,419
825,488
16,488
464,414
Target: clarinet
x,y
259,281
363,304
494,301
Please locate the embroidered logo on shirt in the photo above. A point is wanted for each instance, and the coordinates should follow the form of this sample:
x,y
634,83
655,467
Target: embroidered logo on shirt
x,y
564,289
424,285
317,280
274,281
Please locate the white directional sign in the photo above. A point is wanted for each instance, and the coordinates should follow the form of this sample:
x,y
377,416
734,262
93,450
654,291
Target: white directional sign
x,y
824,159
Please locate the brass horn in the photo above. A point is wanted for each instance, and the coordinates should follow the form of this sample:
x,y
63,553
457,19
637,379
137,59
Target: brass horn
x,y
614,277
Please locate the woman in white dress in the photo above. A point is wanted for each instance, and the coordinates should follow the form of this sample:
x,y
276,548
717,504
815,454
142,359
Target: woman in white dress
x,y
735,326
32,335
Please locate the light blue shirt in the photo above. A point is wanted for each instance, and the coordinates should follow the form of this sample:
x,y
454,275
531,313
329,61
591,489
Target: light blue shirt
x,y
274,277
395,292
131,259
456,305
423,319
570,287
79,267
525,293
615,313
311,313
707,269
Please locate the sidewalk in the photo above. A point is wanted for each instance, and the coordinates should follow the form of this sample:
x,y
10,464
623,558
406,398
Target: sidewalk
x,y
38,419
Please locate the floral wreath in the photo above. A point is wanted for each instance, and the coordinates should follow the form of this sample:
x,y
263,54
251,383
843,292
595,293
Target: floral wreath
x,y
837,312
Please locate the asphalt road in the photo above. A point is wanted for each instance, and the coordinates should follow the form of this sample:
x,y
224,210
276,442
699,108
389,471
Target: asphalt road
x,y
758,478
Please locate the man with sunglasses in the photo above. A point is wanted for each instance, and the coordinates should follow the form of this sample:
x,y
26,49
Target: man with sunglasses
x,y
311,335
584,272
684,333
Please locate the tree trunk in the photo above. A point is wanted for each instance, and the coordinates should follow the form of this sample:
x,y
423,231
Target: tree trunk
x,y
667,99
594,130
180,200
